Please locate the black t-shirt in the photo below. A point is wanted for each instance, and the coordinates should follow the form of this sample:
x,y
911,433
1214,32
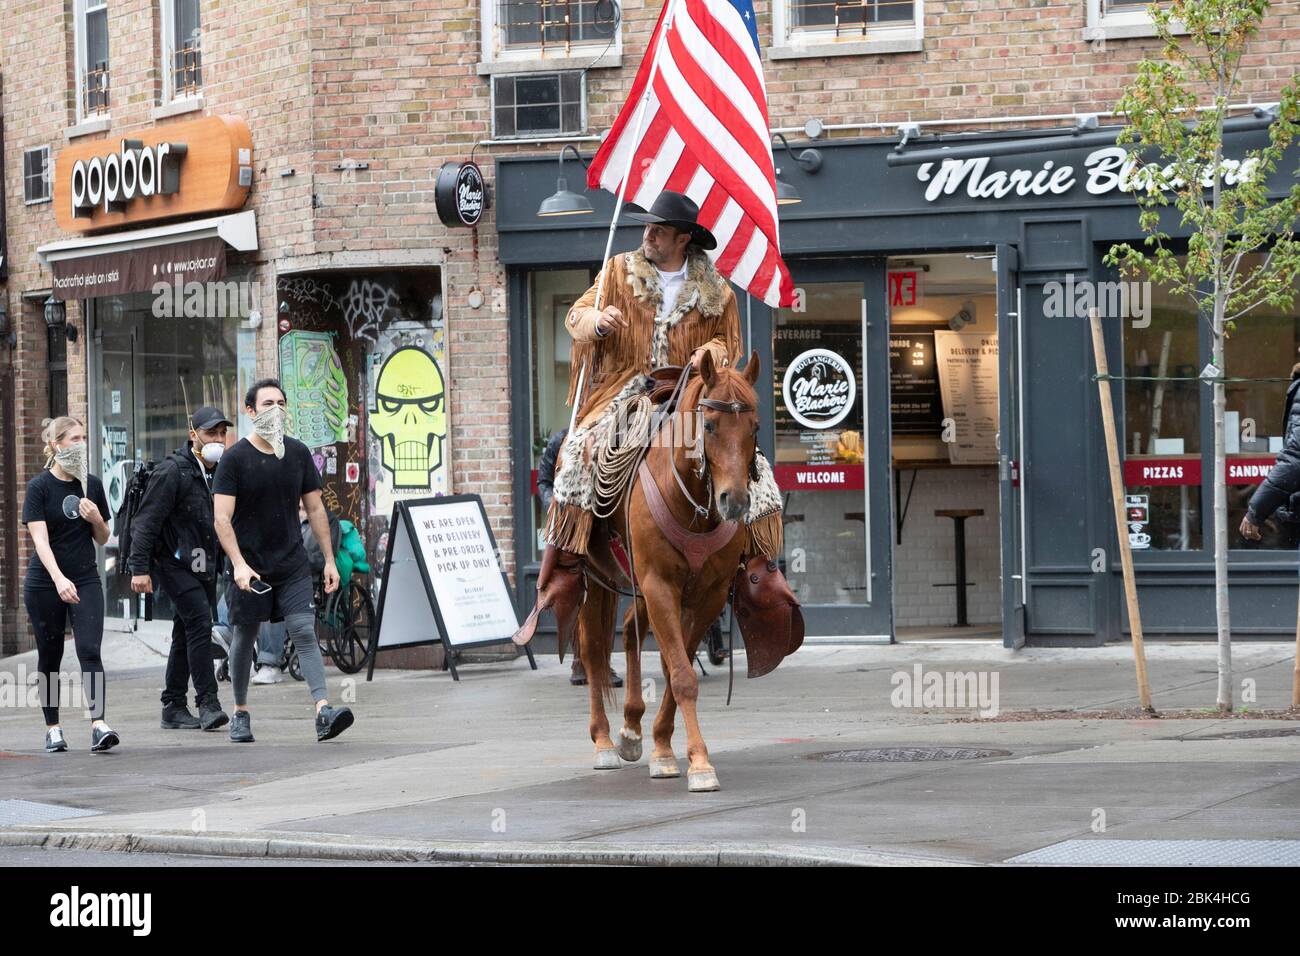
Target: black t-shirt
x,y
266,491
55,502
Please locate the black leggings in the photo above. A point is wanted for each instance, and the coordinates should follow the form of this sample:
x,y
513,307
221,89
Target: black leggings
x,y
49,616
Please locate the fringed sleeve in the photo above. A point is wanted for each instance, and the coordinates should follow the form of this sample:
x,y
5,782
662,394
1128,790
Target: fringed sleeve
x,y
730,330
584,347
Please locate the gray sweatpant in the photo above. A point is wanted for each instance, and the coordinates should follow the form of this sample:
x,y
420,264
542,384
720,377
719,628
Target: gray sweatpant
x,y
302,631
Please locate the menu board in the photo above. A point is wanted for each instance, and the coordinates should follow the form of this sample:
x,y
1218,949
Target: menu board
x,y
915,406
968,382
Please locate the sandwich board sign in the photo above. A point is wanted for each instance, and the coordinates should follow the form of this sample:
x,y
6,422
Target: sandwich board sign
x,y
443,580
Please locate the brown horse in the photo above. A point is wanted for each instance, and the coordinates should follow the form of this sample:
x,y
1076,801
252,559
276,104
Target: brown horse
x,y
705,500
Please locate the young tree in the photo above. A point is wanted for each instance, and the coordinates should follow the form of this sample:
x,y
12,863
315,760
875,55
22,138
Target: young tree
x,y
1178,158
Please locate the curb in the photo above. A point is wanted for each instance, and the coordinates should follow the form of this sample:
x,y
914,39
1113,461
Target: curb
x,y
326,847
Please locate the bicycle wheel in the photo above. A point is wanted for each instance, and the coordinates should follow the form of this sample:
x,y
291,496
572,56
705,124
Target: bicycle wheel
x,y
351,644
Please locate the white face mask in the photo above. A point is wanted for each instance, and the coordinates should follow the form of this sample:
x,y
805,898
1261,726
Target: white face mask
x,y
269,425
212,452
72,459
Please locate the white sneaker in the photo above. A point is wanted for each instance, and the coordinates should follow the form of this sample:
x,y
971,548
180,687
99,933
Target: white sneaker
x,y
268,675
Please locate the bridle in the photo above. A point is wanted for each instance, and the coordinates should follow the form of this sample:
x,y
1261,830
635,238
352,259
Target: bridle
x,y
702,512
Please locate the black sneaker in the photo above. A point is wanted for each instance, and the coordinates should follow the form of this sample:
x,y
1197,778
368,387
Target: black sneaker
x,y
54,742
614,679
241,728
103,738
178,717
332,721
211,716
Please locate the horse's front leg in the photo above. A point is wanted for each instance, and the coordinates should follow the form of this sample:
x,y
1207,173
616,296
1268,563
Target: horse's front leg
x,y
596,632
635,624
663,601
663,762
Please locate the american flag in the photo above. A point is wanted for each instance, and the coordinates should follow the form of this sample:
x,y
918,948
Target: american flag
x,y
705,133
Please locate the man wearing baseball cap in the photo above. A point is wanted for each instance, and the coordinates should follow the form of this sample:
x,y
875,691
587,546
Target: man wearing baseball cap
x,y
173,536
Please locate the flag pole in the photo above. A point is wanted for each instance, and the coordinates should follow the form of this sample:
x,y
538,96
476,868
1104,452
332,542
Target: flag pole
x,y
636,136
622,191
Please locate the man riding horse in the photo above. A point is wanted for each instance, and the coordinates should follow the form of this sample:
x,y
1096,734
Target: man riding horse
x,y
665,305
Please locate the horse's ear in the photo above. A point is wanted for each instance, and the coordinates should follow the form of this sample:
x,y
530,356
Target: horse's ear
x,y
752,368
708,371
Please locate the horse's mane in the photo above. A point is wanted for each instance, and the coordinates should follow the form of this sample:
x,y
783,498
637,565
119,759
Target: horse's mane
x,y
730,386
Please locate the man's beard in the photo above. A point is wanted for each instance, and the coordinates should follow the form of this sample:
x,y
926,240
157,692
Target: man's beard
x,y
651,254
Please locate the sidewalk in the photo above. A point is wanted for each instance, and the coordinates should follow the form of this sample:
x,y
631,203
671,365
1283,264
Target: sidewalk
x,y
498,767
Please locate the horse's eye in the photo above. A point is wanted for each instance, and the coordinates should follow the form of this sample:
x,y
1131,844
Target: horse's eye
x,y
710,427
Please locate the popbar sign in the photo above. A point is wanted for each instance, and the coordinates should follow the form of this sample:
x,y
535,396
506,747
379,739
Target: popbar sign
x,y
112,181
193,168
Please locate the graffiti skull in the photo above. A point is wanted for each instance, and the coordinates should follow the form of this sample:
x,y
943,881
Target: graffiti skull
x,y
410,416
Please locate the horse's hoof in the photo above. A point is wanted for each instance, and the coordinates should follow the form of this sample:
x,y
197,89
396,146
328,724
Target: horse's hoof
x,y
629,746
702,781
607,759
662,768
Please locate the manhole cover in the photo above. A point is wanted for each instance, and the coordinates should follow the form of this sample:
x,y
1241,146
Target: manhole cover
x,y
908,754
1251,734
22,812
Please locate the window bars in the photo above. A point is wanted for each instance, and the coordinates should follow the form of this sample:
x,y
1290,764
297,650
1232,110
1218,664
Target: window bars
x,y
187,70
95,89
557,24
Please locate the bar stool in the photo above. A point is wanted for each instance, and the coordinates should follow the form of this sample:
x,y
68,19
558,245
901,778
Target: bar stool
x,y
959,516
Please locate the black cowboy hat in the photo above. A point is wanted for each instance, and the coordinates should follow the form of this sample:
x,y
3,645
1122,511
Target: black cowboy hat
x,y
680,212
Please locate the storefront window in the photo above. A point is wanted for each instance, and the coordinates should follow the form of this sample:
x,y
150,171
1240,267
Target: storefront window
x,y
1264,345
1162,465
817,377
150,374
551,294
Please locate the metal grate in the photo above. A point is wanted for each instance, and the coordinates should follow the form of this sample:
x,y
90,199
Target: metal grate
x,y
15,813
1166,853
907,754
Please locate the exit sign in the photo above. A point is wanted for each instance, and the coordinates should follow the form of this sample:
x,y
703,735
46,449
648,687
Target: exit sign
x,y
904,289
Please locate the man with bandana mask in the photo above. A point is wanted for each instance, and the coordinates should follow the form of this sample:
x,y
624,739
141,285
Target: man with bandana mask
x,y
173,535
259,484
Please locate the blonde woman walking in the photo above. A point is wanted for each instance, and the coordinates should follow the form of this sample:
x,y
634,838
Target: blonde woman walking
x,y
66,515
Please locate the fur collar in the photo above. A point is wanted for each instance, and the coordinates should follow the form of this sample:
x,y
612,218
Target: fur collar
x,y
704,289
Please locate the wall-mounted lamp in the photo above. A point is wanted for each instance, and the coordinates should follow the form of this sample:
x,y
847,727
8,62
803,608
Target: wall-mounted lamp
x,y
56,314
809,160
565,202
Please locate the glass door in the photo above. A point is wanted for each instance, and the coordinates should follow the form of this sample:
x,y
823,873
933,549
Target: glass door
x,y
830,446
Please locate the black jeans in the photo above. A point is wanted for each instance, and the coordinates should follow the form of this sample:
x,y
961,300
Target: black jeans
x,y
49,616
190,657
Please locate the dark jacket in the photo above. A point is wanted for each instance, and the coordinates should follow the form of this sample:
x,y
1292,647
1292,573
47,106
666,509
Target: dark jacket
x,y
175,518
1284,479
546,467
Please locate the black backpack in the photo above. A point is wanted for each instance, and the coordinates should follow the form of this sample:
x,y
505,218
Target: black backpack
x,y
136,486
314,556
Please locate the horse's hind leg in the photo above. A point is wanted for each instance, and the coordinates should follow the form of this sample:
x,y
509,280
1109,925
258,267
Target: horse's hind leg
x,y
596,630
635,623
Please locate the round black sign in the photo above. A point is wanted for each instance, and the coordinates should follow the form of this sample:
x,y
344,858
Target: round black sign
x,y
459,194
